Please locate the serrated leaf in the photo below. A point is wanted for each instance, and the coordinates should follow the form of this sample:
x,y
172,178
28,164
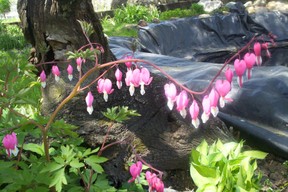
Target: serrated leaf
x,y
58,179
96,159
96,167
50,167
76,164
89,152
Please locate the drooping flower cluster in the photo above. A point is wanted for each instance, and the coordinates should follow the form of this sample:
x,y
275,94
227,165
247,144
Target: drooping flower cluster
x,y
155,183
135,77
209,102
218,93
10,143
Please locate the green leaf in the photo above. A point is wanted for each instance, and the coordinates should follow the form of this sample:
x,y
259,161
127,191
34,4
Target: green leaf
x,y
39,149
59,160
89,152
50,167
58,179
76,164
5,164
228,148
92,162
103,183
207,188
203,148
255,154
96,159
202,175
119,114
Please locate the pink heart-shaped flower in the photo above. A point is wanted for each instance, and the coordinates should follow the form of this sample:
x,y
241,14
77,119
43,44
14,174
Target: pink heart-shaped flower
x,y
240,67
223,87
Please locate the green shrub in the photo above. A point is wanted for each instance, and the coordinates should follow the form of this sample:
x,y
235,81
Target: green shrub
x,y
135,13
180,13
11,37
224,167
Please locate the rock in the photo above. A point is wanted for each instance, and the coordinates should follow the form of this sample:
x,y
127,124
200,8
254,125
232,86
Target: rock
x,y
210,5
142,23
276,5
248,4
259,3
250,9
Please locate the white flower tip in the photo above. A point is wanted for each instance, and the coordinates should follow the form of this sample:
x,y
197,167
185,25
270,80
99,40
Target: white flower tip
x,y
15,151
131,90
78,68
57,78
222,102
119,84
183,113
204,117
43,84
105,96
70,77
170,104
214,111
195,123
90,110
142,90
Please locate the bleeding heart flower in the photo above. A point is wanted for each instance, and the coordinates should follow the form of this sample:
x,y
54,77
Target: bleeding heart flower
x,y
223,87
43,79
182,102
194,112
158,185
56,72
171,93
214,98
105,87
70,72
257,51
265,47
155,184
10,143
135,170
206,109
132,80
229,74
240,67
79,63
118,75
250,60
145,79
89,101
128,63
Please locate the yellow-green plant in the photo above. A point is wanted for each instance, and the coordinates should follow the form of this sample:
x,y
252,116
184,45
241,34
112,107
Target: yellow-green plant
x,y
225,167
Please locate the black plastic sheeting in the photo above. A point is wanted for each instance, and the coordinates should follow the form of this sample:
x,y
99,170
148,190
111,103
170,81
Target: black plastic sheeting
x,y
192,51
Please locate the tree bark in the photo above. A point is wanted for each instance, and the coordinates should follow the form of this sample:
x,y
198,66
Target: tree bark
x,y
161,137
52,27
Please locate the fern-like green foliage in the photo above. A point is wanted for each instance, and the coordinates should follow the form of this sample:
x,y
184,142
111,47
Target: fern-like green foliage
x,y
120,114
